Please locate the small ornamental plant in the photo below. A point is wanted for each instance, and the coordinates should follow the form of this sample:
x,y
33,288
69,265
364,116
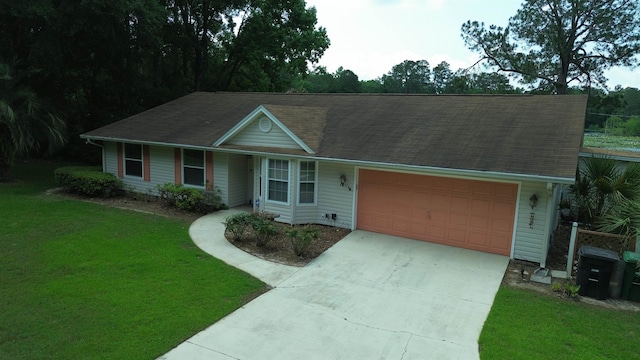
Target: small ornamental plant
x,y
301,238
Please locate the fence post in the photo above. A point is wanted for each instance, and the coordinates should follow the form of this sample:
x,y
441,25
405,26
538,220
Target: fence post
x,y
572,245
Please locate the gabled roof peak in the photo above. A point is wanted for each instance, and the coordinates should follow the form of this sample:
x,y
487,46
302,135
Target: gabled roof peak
x,y
304,125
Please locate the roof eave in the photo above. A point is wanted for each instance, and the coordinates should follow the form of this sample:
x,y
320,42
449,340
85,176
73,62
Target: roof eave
x,y
362,163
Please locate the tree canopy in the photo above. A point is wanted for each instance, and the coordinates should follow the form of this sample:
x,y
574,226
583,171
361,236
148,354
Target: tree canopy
x,y
553,43
100,61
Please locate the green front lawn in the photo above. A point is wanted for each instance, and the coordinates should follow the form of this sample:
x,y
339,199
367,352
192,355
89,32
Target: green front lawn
x,y
526,325
80,281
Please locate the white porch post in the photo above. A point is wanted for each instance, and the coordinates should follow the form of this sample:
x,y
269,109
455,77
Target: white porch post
x,y
572,246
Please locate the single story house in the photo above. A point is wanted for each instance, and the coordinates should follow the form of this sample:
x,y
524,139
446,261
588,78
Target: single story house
x,y
478,172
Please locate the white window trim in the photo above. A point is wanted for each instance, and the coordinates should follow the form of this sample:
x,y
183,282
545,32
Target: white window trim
x,y
266,195
204,170
315,183
125,158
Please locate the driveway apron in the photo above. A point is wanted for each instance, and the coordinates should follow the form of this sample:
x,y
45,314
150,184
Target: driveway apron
x,y
370,296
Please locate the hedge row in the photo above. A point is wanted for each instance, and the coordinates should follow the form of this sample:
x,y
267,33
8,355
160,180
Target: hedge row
x,y
88,181
190,199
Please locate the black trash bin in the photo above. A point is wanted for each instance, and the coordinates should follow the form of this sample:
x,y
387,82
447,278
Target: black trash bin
x,y
594,271
631,281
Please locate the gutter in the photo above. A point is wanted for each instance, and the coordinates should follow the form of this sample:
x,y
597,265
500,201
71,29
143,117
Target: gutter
x,y
362,163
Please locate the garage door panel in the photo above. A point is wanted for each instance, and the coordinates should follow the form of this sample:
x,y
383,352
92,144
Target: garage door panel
x,y
480,206
401,226
458,202
457,236
479,239
438,217
437,232
480,222
457,219
501,226
418,230
503,209
421,182
383,223
483,188
419,215
461,186
402,179
471,214
506,192
366,220
440,183
440,201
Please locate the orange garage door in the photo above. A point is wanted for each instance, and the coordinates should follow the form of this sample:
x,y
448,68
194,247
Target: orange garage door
x,y
470,214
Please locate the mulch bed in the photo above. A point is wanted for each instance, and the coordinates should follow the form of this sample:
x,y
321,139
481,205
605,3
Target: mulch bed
x,y
280,250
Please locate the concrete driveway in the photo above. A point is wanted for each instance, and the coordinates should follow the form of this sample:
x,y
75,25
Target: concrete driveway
x,y
371,296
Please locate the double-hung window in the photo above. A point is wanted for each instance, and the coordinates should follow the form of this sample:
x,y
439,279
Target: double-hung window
x,y
278,181
193,167
133,160
307,188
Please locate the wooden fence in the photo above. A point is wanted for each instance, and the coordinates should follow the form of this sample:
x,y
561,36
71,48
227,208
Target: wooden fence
x,y
579,237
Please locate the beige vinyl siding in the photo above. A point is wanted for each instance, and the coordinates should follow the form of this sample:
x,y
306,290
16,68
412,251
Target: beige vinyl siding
x,y
530,243
237,180
253,136
333,198
111,158
162,166
221,175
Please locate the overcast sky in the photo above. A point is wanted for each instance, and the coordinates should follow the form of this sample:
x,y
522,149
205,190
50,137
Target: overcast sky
x,y
369,37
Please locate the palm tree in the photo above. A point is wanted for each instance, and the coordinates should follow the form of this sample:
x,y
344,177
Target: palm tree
x,y
24,124
602,185
624,219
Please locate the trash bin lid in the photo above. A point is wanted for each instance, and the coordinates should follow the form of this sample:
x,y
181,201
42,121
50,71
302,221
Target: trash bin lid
x,y
598,253
631,257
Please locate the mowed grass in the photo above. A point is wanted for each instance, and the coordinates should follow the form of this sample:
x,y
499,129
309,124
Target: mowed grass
x,y
83,281
526,325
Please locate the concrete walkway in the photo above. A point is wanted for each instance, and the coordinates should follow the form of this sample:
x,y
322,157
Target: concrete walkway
x,y
208,234
370,296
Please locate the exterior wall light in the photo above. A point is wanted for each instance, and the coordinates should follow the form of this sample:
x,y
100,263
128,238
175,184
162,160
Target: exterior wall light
x,y
343,180
533,201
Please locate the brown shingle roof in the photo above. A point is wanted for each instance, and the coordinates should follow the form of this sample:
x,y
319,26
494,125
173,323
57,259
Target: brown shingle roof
x,y
305,121
522,134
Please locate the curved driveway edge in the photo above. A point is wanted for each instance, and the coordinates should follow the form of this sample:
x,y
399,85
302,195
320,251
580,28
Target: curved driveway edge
x,y
370,296
207,233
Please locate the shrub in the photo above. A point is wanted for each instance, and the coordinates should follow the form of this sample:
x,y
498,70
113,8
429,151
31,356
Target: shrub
x,y
301,238
632,126
263,228
566,290
88,181
237,224
190,199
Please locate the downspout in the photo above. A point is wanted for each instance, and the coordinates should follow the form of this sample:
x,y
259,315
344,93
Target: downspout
x,y
103,155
